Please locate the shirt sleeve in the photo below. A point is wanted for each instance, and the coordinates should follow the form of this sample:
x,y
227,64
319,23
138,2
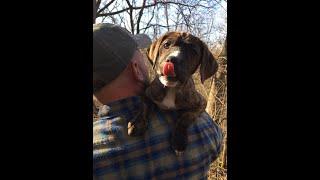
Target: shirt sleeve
x,y
206,134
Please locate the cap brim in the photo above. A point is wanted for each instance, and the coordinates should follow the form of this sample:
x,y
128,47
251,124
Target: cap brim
x,y
142,40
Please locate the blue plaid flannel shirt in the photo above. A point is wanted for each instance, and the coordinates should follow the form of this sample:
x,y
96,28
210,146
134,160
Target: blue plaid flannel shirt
x,y
119,156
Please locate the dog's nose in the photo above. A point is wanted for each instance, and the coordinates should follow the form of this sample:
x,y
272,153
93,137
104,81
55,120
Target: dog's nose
x,y
171,59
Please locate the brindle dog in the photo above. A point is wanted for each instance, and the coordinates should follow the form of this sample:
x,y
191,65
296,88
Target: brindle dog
x,y
175,57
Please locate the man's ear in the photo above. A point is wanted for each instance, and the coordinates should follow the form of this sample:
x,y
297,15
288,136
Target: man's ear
x,y
136,70
208,63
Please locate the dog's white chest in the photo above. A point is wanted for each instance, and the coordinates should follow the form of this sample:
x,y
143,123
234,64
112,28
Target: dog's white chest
x,y
168,101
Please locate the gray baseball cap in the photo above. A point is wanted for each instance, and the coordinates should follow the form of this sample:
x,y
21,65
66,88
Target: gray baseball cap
x,y
113,49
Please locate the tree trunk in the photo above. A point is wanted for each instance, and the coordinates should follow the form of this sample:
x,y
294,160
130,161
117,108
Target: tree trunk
x,y
167,16
211,99
140,15
131,16
224,49
94,12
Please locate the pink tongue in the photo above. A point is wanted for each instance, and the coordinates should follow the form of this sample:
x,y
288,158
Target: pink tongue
x,y
168,69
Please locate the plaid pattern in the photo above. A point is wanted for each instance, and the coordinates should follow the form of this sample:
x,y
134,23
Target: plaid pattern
x,y
118,156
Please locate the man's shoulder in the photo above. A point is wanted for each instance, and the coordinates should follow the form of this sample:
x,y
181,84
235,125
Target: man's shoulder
x,y
174,114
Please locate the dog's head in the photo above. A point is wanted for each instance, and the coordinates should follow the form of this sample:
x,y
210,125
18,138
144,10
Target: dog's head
x,y
177,55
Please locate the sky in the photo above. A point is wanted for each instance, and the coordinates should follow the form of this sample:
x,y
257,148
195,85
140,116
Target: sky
x,y
217,17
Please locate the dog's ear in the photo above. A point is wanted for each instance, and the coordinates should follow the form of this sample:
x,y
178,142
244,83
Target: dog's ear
x,y
208,63
150,53
153,50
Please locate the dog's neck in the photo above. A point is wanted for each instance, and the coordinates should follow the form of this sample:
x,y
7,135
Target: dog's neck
x,y
168,102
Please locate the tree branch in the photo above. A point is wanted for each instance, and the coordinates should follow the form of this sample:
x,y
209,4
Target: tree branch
x,y
221,5
94,10
98,2
105,7
152,25
140,15
150,5
130,14
149,20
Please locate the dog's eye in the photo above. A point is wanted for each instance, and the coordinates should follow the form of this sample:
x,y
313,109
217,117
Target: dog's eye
x,y
166,45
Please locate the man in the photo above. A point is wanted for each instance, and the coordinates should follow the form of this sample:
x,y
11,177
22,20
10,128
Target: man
x,y
120,75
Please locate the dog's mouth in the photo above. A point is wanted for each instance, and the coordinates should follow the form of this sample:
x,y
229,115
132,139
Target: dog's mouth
x,y
167,75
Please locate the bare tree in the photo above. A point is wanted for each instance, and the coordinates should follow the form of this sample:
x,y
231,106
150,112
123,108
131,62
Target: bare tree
x,y
178,15
140,15
130,12
94,12
211,102
167,16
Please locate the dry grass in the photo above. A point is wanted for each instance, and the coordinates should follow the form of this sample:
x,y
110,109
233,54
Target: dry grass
x,y
217,108
218,169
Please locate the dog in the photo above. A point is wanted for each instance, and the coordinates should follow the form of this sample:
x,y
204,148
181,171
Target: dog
x,y
175,57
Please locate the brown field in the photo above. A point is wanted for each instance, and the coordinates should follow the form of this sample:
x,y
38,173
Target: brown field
x,y
215,91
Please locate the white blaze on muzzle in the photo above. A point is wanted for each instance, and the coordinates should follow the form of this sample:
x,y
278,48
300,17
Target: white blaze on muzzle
x,y
163,79
167,83
175,54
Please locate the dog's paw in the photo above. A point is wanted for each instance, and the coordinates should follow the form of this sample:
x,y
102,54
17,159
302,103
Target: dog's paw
x,y
179,143
134,130
179,153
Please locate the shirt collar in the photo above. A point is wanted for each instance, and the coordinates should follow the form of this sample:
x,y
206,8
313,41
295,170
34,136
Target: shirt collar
x,y
127,108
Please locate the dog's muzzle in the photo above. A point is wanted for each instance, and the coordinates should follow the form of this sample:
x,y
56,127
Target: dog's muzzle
x,y
168,81
167,70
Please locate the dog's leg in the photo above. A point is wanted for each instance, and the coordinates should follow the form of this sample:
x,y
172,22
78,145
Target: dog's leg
x,y
179,138
154,92
138,126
